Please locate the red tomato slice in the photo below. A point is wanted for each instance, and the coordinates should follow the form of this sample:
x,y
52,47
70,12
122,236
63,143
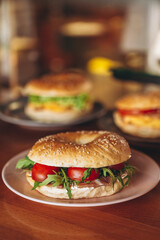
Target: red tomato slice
x,y
75,173
137,111
117,166
40,171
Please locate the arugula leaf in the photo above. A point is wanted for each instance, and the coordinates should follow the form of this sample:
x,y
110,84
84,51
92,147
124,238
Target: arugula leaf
x,y
25,163
36,184
87,173
111,174
128,177
55,179
117,174
130,169
87,181
66,183
120,180
130,172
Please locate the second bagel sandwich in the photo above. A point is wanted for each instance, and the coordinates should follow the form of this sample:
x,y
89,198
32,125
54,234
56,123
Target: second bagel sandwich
x,y
138,114
82,164
58,98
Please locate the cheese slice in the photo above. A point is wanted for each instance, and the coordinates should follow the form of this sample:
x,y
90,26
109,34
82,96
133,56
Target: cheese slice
x,y
51,106
143,120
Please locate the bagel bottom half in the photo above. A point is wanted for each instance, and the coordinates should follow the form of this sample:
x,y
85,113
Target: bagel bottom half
x,y
88,191
139,131
50,116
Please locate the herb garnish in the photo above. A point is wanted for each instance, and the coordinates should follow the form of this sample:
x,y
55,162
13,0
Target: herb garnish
x,y
36,184
56,179
130,172
117,174
111,174
87,173
66,183
61,177
25,163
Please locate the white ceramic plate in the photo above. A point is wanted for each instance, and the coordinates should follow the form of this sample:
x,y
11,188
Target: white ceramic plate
x,y
13,112
145,179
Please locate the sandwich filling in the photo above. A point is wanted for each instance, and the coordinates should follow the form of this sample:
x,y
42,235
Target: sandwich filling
x,y
78,102
69,178
147,117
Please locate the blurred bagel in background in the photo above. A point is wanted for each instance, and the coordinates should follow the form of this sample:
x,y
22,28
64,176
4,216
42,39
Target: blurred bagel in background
x,y
60,98
139,114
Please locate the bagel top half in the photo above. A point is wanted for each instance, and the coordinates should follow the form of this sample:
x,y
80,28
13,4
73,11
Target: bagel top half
x,y
88,149
139,101
59,85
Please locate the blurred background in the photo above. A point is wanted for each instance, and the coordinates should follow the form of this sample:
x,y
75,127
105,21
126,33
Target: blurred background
x,y
45,36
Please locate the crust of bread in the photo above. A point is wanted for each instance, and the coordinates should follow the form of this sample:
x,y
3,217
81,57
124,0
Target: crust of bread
x,y
51,116
57,85
90,149
139,131
140,101
77,193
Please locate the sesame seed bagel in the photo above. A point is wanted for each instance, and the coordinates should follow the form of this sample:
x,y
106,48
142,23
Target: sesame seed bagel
x,y
59,85
91,149
140,101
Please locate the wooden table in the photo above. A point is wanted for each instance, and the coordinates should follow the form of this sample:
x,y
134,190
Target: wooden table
x,y
23,219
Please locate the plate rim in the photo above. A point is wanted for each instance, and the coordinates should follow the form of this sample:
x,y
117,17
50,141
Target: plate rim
x,y
23,153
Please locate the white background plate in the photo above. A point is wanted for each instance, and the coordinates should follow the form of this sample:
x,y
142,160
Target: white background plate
x,y
146,178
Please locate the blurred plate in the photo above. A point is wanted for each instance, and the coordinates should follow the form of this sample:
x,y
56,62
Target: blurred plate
x,y
145,179
13,112
107,123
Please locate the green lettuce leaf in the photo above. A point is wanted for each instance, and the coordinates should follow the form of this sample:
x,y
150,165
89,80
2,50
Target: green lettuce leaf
x,y
25,163
75,101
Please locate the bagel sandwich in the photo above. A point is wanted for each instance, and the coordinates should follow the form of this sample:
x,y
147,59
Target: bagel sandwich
x,y
81,164
58,98
139,114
